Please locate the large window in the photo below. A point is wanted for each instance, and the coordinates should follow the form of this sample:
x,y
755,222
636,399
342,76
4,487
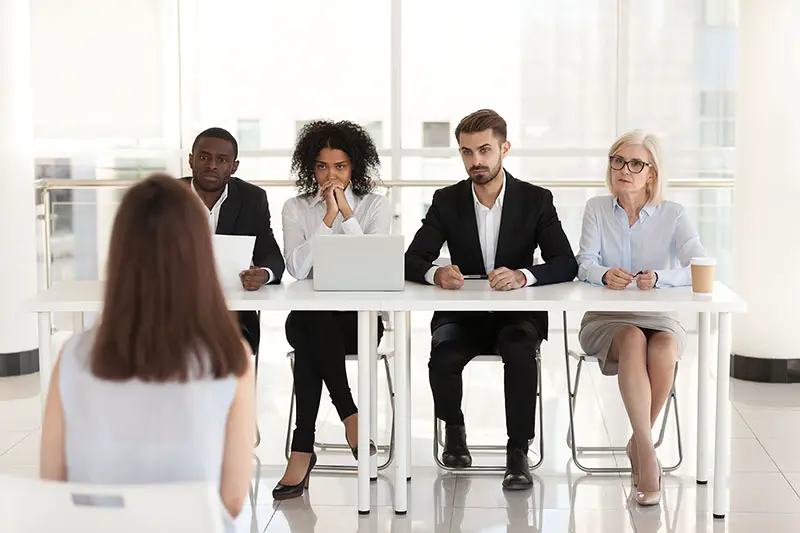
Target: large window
x,y
139,81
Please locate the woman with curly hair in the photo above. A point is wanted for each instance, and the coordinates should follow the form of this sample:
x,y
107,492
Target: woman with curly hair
x,y
336,165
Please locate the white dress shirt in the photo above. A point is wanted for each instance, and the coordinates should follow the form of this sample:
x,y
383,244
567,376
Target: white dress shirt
x,y
213,213
662,239
488,219
302,219
213,220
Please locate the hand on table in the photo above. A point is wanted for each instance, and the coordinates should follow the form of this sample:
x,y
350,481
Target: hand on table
x,y
449,277
253,278
504,279
617,278
646,280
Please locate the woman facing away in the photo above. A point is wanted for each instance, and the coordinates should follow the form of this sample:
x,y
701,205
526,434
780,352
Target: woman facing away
x,y
162,389
336,164
635,239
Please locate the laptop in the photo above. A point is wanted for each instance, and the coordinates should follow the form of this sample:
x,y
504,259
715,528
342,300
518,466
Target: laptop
x,y
359,262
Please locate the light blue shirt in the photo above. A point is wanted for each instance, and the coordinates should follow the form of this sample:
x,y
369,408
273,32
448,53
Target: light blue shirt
x,y
663,239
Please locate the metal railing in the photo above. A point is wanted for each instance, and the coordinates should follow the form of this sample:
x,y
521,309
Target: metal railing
x,y
45,186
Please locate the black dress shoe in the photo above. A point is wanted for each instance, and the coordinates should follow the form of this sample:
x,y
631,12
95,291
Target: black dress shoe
x,y
518,474
456,454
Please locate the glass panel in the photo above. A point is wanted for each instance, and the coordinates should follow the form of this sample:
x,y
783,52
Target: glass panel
x,y
682,78
280,63
548,67
99,72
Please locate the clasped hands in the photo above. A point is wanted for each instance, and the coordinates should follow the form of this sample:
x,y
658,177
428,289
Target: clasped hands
x,y
335,201
500,279
618,279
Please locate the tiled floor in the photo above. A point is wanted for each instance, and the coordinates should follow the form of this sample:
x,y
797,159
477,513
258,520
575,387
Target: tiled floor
x,y
765,481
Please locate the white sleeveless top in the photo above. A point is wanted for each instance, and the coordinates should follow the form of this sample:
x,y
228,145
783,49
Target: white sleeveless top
x,y
134,432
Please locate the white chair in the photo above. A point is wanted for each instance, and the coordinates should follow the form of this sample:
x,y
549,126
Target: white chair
x,y
384,355
572,390
438,428
36,506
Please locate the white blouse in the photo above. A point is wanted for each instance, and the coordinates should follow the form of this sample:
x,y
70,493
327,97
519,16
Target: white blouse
x,y
302,219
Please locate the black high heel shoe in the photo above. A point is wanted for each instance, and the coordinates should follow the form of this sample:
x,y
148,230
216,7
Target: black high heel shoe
x,y
286,492
372,448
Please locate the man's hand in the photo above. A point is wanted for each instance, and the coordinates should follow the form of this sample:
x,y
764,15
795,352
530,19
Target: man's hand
x,y
503,279
646,280
253,278
448,277
617,278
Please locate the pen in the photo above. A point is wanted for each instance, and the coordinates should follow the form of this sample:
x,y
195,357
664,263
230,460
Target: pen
x,y
476,276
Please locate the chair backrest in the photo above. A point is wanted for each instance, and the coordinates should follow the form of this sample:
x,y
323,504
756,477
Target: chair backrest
x,y
33,506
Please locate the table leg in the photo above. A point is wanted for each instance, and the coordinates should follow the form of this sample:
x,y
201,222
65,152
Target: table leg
x,y
373,391
408,394
703,397
401,413
722,451
45,356
364,352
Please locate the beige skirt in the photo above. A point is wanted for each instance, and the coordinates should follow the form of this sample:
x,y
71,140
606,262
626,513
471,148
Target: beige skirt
x,y
597,332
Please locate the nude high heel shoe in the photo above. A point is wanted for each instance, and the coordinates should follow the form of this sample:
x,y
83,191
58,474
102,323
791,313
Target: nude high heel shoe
x,y
648,499
634,464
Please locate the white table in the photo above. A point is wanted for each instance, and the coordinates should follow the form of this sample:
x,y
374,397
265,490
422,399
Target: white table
x,y
582,297
80,297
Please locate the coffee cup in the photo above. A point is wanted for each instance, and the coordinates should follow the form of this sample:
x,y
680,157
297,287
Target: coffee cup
x,y
703,275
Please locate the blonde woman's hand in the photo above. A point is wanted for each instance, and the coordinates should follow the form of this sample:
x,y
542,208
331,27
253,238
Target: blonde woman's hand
x,y
646,280
617,278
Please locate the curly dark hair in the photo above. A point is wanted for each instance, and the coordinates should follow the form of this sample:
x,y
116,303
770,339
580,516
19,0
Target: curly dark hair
x,y
344,135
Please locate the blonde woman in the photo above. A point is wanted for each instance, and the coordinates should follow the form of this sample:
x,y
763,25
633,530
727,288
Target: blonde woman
x,y
634,239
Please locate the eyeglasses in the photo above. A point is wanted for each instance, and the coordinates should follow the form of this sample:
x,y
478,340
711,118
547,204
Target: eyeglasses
x,y
634,165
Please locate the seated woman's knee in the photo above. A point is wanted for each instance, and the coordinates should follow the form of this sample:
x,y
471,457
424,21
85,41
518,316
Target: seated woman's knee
x,y
629,336
307,326
665,344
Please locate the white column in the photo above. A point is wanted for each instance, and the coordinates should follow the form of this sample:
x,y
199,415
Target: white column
x,y
18,267
766,252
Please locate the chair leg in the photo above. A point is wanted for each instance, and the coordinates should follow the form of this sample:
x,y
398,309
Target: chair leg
x,y
541,413
255,380
572,392
390,388
334,446
287,448
438,437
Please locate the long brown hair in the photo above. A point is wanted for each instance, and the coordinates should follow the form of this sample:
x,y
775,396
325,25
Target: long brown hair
x,y
164,312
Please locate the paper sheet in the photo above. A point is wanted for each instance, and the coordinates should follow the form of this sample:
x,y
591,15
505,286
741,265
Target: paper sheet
x,y
232,253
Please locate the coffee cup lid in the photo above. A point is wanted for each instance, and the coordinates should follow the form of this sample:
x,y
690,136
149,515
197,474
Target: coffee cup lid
x,y
704,261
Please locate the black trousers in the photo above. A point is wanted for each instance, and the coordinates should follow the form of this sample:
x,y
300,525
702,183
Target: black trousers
x,y
516,340
321,339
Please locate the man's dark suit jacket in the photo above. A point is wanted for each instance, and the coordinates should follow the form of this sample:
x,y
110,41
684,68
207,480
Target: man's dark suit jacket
x,y
529,220
246,212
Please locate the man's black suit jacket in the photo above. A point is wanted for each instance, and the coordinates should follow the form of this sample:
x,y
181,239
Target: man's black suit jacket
x,y
529,220
246,212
